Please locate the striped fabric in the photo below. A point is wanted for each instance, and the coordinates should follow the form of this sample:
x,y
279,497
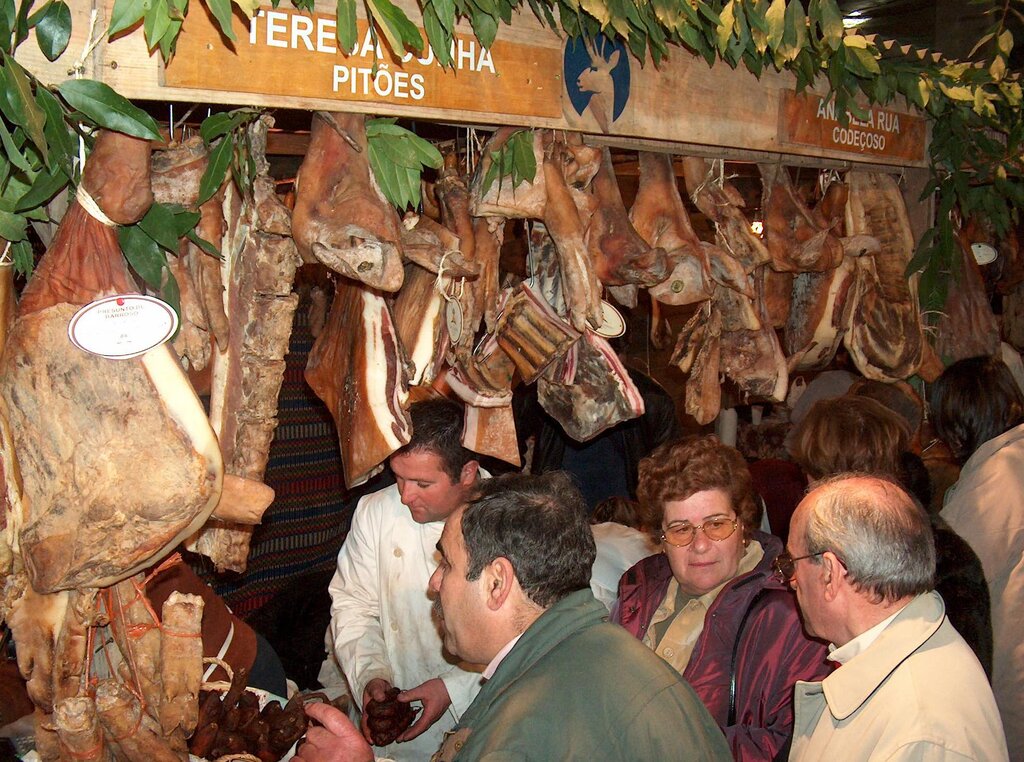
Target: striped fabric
x,y
307,522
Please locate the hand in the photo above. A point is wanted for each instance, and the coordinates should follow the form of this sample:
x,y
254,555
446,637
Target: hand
x,y
375,690
435,699
336,738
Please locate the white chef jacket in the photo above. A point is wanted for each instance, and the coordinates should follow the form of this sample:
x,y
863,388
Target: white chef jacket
x,y
381,623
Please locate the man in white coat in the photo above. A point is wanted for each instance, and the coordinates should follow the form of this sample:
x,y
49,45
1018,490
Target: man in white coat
x,y
381,626
861,559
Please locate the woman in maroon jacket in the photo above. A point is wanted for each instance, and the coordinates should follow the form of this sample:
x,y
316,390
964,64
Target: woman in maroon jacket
x,y
709,604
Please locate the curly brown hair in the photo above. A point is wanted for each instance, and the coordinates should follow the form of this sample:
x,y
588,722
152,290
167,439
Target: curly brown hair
x,y
850,434
678,470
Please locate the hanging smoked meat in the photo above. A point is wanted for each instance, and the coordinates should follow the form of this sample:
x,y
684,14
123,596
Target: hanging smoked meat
x,y
884,339
589,390
796,240
580,286
819,315
358,368
621,256
661,219
257,269
722,204
341,218
117,459
966,327
501,198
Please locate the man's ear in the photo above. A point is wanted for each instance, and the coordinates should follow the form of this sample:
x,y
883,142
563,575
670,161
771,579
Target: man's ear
x,y
499,579
833,574
468,474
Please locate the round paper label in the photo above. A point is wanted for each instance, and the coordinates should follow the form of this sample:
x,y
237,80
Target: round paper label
x,y
453,317
984,254
612,324
124,326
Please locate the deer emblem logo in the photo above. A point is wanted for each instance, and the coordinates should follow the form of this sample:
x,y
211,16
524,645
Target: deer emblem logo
x,y
597,78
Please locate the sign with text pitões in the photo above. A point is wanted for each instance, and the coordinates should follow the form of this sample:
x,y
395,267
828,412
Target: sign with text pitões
x,y
291,53
811,120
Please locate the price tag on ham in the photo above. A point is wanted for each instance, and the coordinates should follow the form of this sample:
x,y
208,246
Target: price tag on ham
x,y
453,317
120,327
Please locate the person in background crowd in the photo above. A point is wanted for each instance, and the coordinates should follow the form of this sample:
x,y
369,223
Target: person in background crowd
x,y
561,683
621,542
709,604
860,560
381,626
605,466
979,412
856,433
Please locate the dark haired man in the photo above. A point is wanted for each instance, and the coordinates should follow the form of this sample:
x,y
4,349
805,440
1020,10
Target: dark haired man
x,y
561,682
861,561
381,627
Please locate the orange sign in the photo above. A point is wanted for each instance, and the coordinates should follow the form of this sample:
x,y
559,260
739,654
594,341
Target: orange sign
x,y
811,120
291,53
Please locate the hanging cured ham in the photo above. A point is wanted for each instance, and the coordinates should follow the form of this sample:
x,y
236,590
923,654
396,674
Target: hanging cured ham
x,y
796,239
819,315
621,256
258,268
177,172
580,286
885,338
341,218
117,459
722,204
357,367
966,327
661,219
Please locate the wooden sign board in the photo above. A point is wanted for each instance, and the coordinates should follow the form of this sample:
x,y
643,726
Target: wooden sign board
x,y
530,77
810,120
286,52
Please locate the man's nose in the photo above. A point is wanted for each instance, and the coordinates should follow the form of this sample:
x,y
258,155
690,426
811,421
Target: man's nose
x,y
434,584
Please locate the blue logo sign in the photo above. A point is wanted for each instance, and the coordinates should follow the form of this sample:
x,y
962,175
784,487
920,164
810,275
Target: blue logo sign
x,y
596,74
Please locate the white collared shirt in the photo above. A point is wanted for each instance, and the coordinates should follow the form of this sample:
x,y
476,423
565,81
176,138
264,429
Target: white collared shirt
x,y
862,642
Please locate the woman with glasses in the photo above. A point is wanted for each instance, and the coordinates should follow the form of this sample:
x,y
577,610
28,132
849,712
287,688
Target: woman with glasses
x,y
709,604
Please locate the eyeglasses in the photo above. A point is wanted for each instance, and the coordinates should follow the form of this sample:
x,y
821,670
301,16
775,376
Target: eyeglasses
x,y
785,565
681,535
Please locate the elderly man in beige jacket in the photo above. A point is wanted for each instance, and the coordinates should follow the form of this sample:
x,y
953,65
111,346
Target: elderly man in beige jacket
x,y
907,687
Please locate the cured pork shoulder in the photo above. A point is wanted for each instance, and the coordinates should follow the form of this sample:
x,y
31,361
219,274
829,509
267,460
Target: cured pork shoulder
x,y
341,218
419,321
117,459
884,338
357,367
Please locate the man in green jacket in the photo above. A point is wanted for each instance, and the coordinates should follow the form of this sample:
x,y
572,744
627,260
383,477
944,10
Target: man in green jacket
x,y
561,682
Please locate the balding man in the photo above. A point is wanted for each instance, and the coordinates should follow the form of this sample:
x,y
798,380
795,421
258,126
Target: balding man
x,y
861,561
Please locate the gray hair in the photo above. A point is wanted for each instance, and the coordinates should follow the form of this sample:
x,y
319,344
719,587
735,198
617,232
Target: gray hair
x,y
880,533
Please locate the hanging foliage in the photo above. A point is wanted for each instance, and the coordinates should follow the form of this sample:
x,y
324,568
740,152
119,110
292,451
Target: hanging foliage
x,y
974,107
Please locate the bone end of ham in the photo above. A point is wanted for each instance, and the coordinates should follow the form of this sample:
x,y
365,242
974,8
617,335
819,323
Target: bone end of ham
x,y
243,501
